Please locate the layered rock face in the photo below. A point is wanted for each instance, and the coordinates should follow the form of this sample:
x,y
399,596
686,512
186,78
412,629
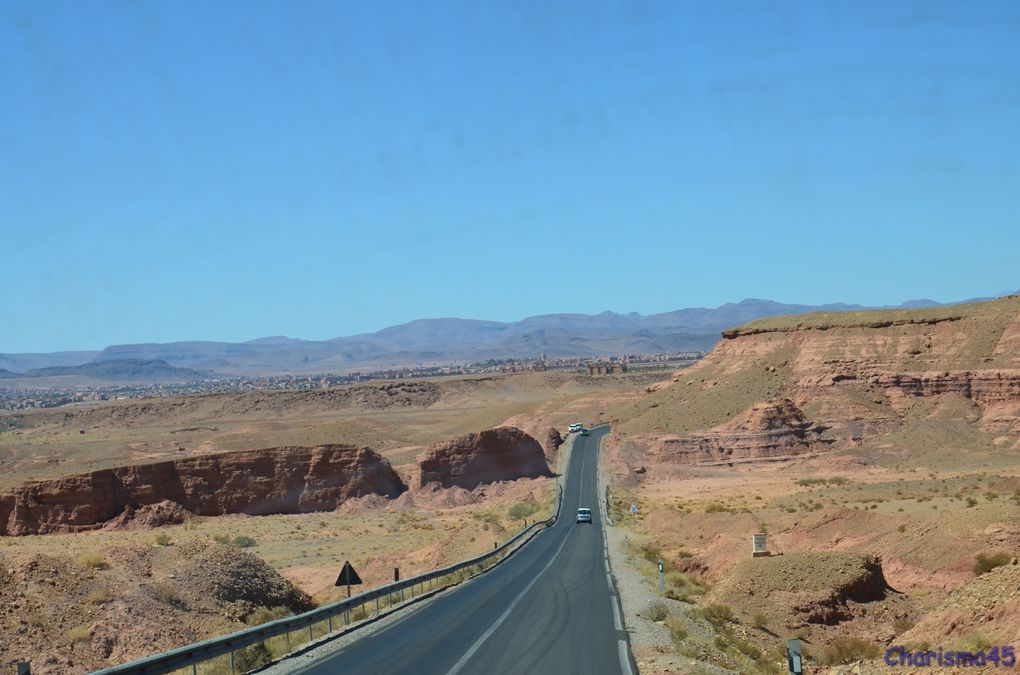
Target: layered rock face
x,y
859,374
504,453
771,430
257,482
986,387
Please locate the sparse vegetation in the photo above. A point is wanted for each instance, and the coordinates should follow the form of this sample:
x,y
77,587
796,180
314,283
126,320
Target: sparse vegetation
x,y
93,560
523,510
974,642
835,481
717,615
250,658
986,563
79,634
651,551
677,630
656,611
162,539
848,650
902,625
244,541
167,594
266,614
100,596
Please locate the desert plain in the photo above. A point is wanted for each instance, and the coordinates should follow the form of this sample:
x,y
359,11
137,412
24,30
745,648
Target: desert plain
x,y
878,451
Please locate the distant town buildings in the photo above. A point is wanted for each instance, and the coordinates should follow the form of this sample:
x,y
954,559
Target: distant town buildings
x,y
26,398
607,368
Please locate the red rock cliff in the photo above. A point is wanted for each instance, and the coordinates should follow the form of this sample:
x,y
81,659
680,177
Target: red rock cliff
x,y
258,482
768,430
504,453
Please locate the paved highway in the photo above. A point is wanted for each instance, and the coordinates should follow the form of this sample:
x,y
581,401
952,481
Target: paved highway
x,y
549,608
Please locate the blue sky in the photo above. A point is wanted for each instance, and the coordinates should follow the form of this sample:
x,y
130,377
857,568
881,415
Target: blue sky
x,y
230,170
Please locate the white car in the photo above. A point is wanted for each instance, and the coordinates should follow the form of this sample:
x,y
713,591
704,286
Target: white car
x,y
575,427
584,516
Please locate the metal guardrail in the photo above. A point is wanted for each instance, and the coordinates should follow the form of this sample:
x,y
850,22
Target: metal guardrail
x,y
199,652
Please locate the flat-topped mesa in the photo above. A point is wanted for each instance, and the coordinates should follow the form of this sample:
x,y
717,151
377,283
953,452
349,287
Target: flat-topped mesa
x,y
256,482
767,431
500,454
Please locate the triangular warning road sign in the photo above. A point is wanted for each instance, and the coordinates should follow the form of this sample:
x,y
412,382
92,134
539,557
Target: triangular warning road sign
x,y
348,577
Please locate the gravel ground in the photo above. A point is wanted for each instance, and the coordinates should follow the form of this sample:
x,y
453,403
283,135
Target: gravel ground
x,y
650,641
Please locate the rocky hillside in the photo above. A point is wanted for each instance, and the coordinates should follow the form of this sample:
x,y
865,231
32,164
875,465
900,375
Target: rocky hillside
x,y
270,480
856,375
767,431
504,453
75,612
818,588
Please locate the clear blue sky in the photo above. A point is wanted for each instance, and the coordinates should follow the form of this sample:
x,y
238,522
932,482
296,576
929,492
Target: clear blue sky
x,y
230,170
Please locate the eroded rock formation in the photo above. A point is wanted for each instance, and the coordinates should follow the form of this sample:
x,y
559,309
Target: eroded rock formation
x,y
860,375
770,430
503,453
257,482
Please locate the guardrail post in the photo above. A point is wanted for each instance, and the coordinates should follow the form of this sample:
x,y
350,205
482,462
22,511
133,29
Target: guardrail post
x,y
329,622
194,669
310,638
377,605
231,663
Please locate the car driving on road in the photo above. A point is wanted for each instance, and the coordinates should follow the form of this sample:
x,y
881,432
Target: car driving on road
x,y
584,515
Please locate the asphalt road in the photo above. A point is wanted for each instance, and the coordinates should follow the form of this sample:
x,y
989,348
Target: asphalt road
x,y
549,608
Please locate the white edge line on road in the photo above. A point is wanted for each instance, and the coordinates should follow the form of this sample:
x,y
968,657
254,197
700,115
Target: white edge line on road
x,y
617,602
580,492
624,659
502,617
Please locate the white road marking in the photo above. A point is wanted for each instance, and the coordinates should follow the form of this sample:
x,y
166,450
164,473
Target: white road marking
x,y
624,659
502,617
616,614
580,493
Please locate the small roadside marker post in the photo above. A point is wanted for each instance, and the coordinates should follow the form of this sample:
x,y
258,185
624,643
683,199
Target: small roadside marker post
x,y
794,657
662,579
24,668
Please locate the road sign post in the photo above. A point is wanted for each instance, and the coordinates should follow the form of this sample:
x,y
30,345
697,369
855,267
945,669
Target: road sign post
x,y
662,579
348,577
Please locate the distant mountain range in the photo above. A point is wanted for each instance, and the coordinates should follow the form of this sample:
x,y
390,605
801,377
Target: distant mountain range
x,y
425,341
